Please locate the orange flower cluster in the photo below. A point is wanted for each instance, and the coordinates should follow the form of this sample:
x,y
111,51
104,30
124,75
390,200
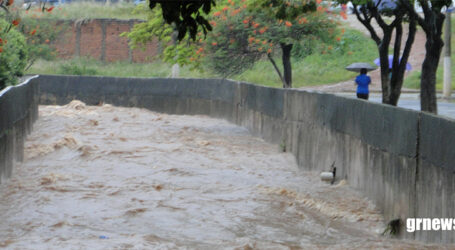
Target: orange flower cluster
x,y
343,15
235,12
217,13
303,20
16,22
287,23
262,30
199,51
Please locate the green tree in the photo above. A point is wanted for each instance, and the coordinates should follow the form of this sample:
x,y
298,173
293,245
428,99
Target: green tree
x,y
39,34
391,75
242,34
182,52
186,15
13,55
431,23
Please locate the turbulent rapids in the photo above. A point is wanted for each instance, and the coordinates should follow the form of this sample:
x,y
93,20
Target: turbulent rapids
x,y
98,177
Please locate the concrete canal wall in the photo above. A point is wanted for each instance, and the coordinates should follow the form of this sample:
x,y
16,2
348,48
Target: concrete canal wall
x,y
398,158
18,111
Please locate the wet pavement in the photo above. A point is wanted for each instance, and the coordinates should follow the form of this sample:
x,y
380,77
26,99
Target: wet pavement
x,y
126,178
412,101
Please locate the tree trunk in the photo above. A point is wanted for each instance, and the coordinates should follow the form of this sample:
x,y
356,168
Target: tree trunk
x,y
428,80
432,26
383,50
287,69
276,67
396,81
391,79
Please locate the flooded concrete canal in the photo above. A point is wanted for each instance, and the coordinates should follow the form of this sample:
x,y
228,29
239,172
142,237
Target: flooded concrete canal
x,y
126,178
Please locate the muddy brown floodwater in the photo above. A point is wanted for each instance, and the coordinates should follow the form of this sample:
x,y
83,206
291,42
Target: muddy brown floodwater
x,y
126,178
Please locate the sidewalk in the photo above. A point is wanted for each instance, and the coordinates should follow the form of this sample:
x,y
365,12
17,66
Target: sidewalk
x,y
412,101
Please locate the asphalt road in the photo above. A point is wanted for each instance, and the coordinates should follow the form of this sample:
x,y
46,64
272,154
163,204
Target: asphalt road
x,y
412,101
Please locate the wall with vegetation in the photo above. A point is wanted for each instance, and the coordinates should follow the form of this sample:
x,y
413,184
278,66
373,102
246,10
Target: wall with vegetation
x,y
401,159
18,111
100,39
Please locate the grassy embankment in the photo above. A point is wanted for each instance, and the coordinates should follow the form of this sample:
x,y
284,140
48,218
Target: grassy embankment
x,y
315,69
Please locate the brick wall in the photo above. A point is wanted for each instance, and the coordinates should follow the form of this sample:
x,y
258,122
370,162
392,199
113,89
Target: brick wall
x,y
100,39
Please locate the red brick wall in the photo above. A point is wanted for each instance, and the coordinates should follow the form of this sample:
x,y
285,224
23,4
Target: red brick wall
x,y
100,39
66,44
90,39
114,43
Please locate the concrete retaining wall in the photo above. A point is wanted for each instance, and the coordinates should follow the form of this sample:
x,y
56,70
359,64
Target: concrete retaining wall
x,y
18,111
394,156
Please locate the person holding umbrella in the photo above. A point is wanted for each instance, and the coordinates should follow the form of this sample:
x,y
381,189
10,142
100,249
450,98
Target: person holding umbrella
x,y
363,80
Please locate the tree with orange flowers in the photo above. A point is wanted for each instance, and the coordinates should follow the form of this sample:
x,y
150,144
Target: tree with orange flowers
x,y
14,47
243,32
13,52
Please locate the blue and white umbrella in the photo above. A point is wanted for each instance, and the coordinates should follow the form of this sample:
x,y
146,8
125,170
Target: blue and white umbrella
x,y
377,61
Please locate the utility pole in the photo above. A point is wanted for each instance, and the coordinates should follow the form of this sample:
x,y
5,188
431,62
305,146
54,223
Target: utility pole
x,y
447,87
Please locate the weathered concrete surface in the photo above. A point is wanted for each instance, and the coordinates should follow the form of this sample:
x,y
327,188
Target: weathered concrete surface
x,y
18,111
435,177
391,154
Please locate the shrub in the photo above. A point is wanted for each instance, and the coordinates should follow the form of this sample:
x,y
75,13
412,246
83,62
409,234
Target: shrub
x,y
13,56
74,68
39,34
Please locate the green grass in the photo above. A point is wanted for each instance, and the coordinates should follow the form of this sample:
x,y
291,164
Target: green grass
x,y
318,68
85,66
87,10
413,80
315,69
